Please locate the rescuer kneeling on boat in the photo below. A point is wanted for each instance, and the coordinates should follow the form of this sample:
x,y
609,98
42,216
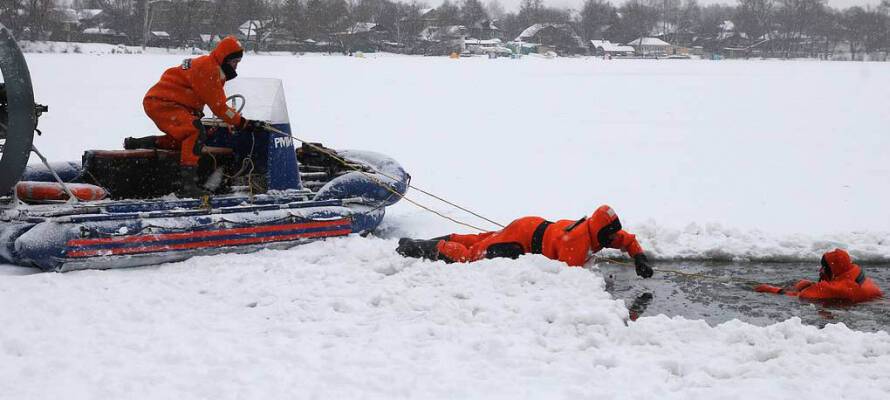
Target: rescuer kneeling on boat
x,y
839,279
176,105
564,240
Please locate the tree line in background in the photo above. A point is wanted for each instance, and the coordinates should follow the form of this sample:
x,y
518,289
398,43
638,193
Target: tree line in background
x,y
786,23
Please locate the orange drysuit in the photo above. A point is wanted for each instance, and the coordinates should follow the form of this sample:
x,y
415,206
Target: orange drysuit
x,y
839,279
178,99
564,240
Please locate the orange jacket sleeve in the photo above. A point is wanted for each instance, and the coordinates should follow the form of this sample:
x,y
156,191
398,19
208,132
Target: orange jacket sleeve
x,y
626,242
766,288
802,284
207,81
792,291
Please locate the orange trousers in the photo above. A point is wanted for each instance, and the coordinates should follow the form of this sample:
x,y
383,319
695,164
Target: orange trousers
x,y
176,122
511,241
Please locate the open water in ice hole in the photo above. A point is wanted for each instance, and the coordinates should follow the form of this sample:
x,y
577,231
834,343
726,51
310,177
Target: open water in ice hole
x,y
728,296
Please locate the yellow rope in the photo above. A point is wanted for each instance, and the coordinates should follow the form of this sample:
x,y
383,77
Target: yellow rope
x,y
387,187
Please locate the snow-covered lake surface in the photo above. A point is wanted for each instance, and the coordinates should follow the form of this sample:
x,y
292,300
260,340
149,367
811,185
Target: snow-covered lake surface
x,y
749,162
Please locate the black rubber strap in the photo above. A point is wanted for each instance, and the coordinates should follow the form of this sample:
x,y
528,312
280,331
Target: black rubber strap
x,y
202,137
538,237
575,224
860,278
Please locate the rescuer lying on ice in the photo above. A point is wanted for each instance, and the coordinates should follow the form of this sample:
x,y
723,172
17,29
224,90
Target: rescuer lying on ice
x,y
564,240
839,279
176,105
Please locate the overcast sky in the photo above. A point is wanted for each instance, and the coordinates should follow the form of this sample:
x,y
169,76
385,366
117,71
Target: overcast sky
x,y
513,5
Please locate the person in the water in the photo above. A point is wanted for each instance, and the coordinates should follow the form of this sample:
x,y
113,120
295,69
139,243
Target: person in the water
x,y
839,279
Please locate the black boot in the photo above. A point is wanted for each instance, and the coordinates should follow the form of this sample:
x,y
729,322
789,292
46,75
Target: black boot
x,y
188,183
147,142
418,248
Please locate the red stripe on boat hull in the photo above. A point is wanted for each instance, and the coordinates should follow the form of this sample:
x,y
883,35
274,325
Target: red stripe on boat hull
x,y
209,233
205,244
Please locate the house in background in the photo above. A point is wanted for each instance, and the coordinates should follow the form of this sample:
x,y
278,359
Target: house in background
x,y
159,39
486,30
650,46
607,48
69,22
104,35
441,40
363,36
253,33
560,38
79,25
491,47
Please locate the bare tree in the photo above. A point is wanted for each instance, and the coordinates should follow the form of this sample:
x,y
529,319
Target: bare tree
x,y
530,12
124,16
39,18
495,9
511,24
408,22
12,15
754,17
712,18
795,19
471,12
829,31
637,20
448,14
293,18
866,30
596,17
689,19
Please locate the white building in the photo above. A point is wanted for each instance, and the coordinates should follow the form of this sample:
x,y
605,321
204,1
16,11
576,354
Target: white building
x,y
607,47
650,45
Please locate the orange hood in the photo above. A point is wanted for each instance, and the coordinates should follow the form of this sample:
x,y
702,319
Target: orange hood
x,y
225,48
837,266
601,225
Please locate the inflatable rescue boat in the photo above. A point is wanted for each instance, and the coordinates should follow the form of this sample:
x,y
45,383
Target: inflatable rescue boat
x,y
115,208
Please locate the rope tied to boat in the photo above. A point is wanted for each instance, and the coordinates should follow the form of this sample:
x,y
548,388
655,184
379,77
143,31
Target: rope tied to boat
x,y
377,181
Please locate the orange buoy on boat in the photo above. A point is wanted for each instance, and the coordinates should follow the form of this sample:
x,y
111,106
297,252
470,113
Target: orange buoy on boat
x,y
51,191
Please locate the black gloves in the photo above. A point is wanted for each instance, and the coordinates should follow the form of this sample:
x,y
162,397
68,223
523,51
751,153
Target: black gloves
x,y
642,264
251,126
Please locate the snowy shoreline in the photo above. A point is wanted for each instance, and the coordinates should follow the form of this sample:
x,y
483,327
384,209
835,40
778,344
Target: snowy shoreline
x,y
346,318
51,47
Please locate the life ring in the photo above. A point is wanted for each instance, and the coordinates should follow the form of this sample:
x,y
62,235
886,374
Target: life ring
x,y
47,191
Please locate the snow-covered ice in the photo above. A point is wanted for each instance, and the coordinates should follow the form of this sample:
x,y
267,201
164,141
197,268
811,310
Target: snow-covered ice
x,y
728,160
